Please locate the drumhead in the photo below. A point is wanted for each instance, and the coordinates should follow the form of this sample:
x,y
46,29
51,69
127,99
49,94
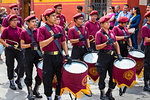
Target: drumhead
x,y
76,67
90,57
125,63
40,64
137,54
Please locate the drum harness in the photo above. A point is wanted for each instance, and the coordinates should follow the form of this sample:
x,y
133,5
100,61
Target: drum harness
x,y
33,40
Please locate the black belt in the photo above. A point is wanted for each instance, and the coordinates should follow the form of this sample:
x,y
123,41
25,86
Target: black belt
x,y
111,52
122,42
79,47
52,53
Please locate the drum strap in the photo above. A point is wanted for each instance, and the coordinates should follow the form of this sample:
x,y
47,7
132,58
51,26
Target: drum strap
x,y
125,34
31,36
147,25
55,40
80,34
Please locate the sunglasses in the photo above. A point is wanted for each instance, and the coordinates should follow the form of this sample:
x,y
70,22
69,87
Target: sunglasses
x,y
15,8
59,8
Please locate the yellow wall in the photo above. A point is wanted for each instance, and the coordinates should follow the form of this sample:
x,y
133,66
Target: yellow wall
x,y
9,1
57,0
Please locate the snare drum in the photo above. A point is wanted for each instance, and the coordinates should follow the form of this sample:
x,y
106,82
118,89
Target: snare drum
x,y
74,78
90,59
40,68
124,72
138,56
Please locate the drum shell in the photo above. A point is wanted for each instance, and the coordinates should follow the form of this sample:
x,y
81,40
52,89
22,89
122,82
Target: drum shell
x,y
75,82
139,63
92,71
124,77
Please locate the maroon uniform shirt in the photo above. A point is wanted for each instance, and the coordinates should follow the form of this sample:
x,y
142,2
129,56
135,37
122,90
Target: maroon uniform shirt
x,y
73,34
44,34
100,38
25,36
6,22
11,34
62,20
146,33
92,28
118,32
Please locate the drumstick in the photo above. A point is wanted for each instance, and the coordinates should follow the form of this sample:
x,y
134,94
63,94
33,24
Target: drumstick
x,y
16,44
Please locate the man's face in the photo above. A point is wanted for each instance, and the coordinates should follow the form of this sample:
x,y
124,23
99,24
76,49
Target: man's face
x,y
89,9
57,22
32,23
13,22
116,9
125,8
79,21
93,17
14,10
148,8
52,18
58,9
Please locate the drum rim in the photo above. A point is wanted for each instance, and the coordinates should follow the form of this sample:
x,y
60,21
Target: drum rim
x,y
138,51
88,53
125,58
76,61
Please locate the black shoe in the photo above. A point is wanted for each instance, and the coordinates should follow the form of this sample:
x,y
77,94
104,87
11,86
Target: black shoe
x,y
120,92
103,96
35,92
30,93
109,94
12,85
57,97
146,88
19,84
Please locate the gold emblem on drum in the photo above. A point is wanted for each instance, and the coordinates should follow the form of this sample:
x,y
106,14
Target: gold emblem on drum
x,y
139,65
93,71
54,79
84,81
128,75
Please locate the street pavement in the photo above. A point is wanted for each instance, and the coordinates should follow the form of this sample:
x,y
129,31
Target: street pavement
x,y
136,93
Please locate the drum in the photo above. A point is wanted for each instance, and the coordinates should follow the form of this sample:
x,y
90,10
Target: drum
x,y
131,30
138,56
124,72
74,78
39,69
90,59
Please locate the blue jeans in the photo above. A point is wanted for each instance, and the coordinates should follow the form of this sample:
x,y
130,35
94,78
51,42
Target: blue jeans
x,y
134,39
1,49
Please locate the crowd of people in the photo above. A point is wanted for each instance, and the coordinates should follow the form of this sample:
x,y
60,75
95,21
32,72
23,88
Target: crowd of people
x,y
30,41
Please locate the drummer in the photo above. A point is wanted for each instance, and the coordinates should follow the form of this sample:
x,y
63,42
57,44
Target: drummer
x,y
11,35
106,43
93,26
32,55
122,36
79,38
146,37
51,39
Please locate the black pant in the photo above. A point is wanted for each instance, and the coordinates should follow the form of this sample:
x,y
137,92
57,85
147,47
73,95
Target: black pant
x,y
123,49
31,57
92,45
105,64
11,55
147,63
78,52
52,64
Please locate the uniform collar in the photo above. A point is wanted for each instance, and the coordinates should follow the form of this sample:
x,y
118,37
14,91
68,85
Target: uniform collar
x,y
11,27
50,25
78,27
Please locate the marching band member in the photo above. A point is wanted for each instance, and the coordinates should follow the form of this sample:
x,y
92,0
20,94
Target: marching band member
x,y
58,9
32,52
146,36
13,10
93,26
51,39
122,36
11,35
105,42
79,38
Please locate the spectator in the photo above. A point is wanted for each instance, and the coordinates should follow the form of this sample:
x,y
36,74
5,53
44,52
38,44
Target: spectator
x,y
134,23
90,9
42,21
117,9
3,14
144,22
125,12
1,47
112,17
79,10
